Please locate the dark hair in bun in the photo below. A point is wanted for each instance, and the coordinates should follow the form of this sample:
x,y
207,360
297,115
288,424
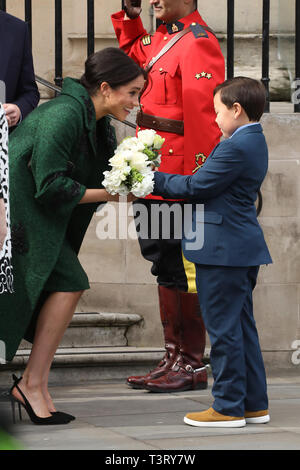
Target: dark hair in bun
x,y
109,65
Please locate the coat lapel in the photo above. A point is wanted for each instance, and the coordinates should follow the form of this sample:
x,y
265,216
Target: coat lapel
x,y
90,122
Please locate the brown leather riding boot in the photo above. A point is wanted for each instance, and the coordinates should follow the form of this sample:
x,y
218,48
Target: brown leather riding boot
x,y
170,319
188,372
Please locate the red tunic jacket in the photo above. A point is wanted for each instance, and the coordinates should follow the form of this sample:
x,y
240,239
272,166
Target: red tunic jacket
x,y
180,86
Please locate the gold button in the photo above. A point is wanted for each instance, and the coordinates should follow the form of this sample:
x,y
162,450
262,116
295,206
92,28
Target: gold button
x,y
161,70
165,38
171,151
194,24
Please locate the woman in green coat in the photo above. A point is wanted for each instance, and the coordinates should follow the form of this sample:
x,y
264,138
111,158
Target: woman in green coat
x,y
57,157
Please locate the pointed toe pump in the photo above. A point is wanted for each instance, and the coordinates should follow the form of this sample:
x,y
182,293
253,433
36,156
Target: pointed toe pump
x,y
55,418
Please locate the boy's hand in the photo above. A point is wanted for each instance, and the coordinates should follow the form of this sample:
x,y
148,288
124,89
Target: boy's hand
x,y
132,8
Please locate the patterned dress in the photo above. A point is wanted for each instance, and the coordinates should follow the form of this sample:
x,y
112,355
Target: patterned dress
x,y
6,276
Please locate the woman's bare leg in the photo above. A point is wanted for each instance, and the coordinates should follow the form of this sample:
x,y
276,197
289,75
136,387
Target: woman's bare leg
x,y
52,322
46,394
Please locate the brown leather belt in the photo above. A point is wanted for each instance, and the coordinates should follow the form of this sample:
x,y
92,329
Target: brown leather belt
x,y
159,123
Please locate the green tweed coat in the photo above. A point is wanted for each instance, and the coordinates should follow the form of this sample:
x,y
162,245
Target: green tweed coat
x,y
55,155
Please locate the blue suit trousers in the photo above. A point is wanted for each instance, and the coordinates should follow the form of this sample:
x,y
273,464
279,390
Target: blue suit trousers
x,y
225,296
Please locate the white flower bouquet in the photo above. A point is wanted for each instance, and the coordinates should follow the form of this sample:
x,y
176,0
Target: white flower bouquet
x,y
132,165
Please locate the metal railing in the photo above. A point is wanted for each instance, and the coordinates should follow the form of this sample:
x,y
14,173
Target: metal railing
x,y
265,47
265,76
58,80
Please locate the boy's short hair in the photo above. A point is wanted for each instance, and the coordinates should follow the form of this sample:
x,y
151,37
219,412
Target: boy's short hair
x,y
250,93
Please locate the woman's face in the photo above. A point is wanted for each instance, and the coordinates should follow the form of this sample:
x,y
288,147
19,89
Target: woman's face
x,y
122,100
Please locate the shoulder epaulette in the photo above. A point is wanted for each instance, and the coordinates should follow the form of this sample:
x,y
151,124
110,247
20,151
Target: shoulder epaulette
x,y
198,30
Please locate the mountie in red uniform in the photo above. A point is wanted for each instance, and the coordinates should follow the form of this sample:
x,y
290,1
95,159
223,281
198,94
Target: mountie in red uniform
x,y
178,103
180,85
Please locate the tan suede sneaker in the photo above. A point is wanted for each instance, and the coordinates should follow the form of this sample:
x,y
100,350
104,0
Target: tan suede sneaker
x,y
257,417
211,418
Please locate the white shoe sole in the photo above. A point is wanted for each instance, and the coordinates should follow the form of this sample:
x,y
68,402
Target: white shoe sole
x,y
258,420
238,423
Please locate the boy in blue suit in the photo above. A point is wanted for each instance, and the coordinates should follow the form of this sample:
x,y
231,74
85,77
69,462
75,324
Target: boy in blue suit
x,y
234,247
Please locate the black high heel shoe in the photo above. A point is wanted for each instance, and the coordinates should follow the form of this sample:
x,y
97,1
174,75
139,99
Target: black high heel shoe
x,y
53,419
62,413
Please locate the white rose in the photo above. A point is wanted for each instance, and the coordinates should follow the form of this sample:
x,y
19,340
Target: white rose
x,y
145,187
114,179
123,190
119,160
147,137
108,184
138,160
158,142
127,143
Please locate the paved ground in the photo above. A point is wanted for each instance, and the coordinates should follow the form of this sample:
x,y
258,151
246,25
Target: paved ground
x,y
112,417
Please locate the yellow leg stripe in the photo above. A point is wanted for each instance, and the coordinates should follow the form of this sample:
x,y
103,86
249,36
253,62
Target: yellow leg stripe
x,y
190,272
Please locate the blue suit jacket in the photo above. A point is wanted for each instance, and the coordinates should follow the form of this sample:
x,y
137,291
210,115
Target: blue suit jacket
x,y
16,65
227,185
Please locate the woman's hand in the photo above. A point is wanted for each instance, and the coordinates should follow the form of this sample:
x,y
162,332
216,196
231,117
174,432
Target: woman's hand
x,y
117,197
131,197
101,195
112,198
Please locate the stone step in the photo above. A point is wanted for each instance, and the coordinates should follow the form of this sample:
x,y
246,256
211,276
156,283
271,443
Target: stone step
x,y
94,347
92,364
96,329
79,365
99,329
